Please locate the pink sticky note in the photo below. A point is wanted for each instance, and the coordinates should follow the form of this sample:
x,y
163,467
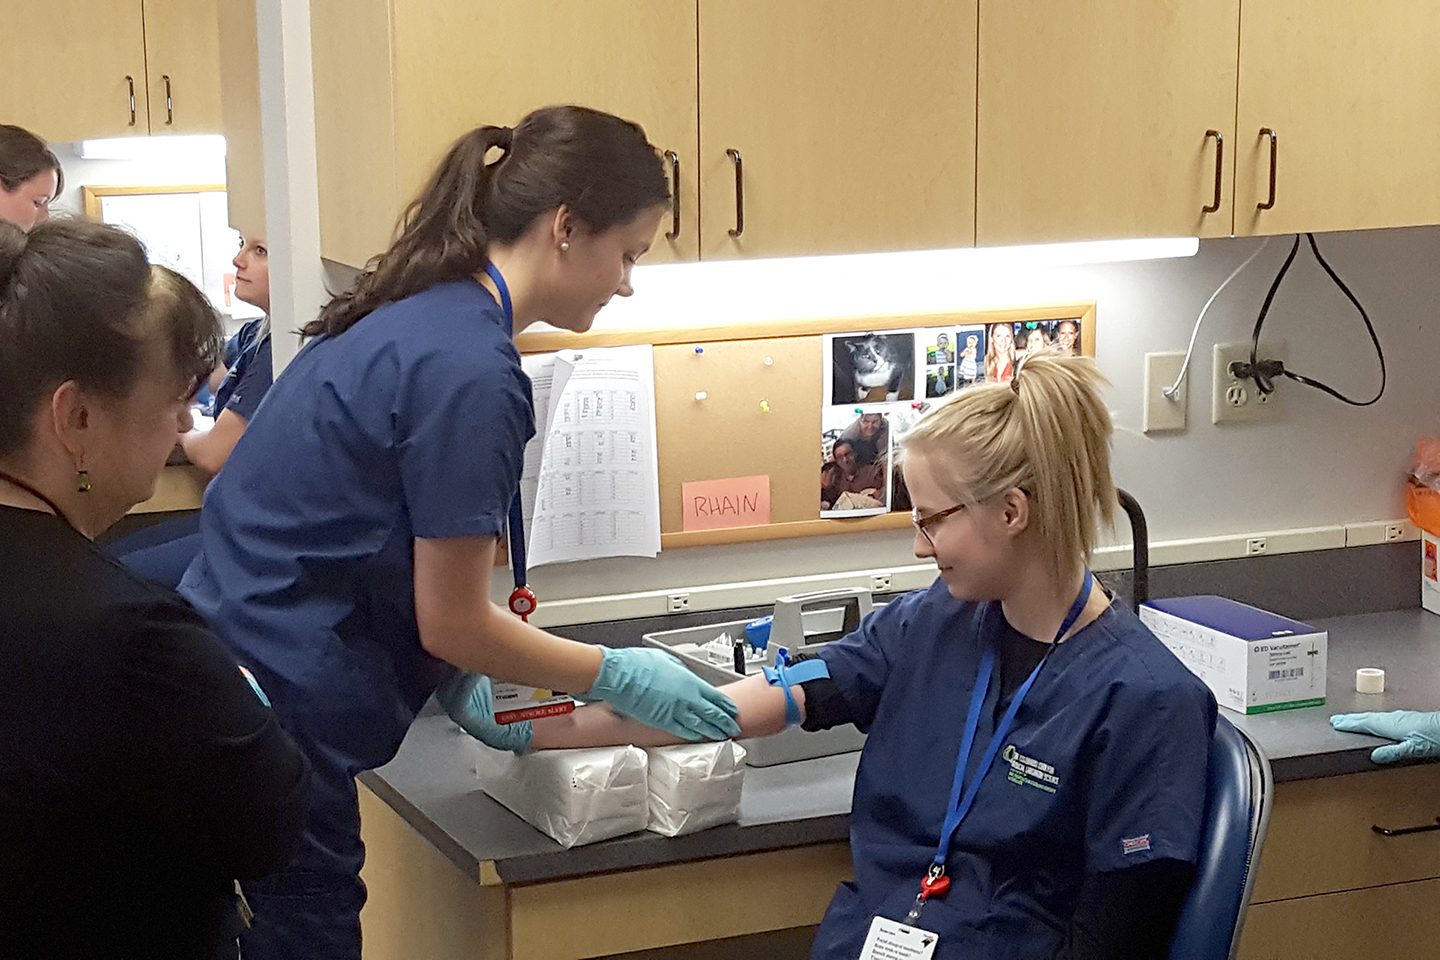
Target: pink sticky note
x,y
733,502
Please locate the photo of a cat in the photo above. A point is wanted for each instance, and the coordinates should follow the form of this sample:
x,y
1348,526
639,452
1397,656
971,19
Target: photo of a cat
x,y
872,368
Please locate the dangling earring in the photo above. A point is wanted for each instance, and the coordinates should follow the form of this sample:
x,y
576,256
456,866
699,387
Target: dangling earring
x,y
82,477
564,245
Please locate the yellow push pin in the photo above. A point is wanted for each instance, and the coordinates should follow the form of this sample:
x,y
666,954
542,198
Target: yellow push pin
x,y
764,406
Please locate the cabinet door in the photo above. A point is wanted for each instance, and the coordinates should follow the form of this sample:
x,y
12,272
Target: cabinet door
x,y
456,64
854,123
240,116
1094,119
70,67
182,49
1350,91
1395,922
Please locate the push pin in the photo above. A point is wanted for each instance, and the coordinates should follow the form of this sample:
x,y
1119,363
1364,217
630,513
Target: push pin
x,y
699,350
701,394
916,405
859,410
764,406
769,361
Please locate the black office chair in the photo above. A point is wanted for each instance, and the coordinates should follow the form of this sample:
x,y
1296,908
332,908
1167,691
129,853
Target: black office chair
x,y
1238,794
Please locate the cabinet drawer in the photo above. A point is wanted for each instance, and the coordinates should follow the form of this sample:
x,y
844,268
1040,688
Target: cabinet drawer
x,y
1397,922
1320,839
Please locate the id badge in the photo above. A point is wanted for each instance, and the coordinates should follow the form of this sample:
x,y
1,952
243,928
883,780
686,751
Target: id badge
x,y
892,940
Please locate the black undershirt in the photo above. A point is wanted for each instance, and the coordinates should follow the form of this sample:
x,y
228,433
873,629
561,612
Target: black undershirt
x,y
1119,915
140,775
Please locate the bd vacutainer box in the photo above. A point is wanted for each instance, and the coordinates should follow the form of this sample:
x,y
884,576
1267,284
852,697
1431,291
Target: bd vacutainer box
x,y
1253,661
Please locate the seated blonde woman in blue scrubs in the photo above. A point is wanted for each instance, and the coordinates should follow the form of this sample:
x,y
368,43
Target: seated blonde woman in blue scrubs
x,y
1034,777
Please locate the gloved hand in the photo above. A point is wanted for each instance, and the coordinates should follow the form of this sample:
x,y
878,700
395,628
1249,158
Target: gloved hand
x,y
655,688
1418,733
469,700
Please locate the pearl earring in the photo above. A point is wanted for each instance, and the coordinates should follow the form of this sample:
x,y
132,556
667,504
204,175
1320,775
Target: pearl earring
x,y
564,245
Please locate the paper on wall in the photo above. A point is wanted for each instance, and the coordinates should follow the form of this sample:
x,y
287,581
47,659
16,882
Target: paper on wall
x,y
591,486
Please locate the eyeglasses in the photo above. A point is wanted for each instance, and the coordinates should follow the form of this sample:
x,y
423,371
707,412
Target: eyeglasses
x,y
929,521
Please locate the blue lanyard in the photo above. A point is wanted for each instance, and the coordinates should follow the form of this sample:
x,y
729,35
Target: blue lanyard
x,y
960,803
505,304
516,521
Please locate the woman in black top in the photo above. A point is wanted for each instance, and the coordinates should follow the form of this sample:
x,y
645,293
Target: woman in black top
x,y
140,772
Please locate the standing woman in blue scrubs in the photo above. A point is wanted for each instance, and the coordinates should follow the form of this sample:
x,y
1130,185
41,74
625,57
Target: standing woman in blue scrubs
x,y
1034,778
349,543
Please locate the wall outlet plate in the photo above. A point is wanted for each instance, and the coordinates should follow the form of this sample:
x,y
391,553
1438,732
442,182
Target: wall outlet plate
x,y
1162,413
1237,401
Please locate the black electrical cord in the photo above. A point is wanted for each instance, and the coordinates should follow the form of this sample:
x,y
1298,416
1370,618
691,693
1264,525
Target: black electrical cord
x,y
1264,372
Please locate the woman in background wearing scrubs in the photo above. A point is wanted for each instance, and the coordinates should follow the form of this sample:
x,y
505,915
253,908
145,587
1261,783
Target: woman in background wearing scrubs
x,y
245,375
163,551
1037,758
350,541
30,177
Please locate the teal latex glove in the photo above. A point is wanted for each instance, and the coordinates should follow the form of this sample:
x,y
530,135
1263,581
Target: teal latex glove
x,y
655,688
469,700
1418,733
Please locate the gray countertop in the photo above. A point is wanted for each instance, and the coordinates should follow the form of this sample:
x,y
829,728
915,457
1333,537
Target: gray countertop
x,y
430,783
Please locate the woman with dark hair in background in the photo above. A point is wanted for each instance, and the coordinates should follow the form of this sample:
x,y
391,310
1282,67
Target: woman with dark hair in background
x,y
140,773
30,177
349,543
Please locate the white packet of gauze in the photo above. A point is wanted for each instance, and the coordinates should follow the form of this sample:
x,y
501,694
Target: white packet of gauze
x,y
695,786
573,796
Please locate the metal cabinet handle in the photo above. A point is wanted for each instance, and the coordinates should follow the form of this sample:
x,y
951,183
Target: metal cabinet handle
x,y
1402,831
1214,204
674,160
169,100
739,229
1274,161
131,81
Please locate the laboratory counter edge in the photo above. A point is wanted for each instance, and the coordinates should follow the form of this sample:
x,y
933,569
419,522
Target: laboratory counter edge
x,y
431,783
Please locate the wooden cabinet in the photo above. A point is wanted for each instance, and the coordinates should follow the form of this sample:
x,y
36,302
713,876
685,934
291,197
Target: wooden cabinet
x,y
1349,89
396,83
1105,119
74,69
853,124
182,55
1331,888
240,116
79,69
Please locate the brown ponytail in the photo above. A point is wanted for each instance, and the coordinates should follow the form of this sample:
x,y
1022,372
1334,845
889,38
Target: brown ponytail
x,y
599,166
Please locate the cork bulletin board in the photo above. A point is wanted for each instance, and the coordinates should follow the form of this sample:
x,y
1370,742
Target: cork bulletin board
x,y
742,401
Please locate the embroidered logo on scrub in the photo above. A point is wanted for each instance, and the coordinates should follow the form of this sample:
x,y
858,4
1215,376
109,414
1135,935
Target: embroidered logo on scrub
x,y
1029,772
1129,845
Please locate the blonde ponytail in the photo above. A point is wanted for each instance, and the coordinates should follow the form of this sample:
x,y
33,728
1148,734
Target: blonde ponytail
x,y
1047,432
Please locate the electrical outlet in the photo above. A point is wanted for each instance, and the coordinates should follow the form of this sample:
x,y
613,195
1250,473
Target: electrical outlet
x,y
678,602
1394,531
1161,412
879,582
1233,400
1254,546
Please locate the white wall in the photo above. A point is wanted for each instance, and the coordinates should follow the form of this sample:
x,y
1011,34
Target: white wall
x,y
163,169
1320,464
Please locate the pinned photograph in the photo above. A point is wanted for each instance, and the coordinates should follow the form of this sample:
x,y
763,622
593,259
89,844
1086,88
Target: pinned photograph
x,y
1000,353
871,368
970,348
1047,336
940,350
939,381
855,465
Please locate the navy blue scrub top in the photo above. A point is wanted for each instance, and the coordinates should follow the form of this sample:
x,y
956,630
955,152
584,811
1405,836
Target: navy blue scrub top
x,y
249,373
1104,769
412,423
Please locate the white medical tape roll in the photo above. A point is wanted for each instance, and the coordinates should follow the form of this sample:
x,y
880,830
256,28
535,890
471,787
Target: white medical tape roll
x,y
1369,680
